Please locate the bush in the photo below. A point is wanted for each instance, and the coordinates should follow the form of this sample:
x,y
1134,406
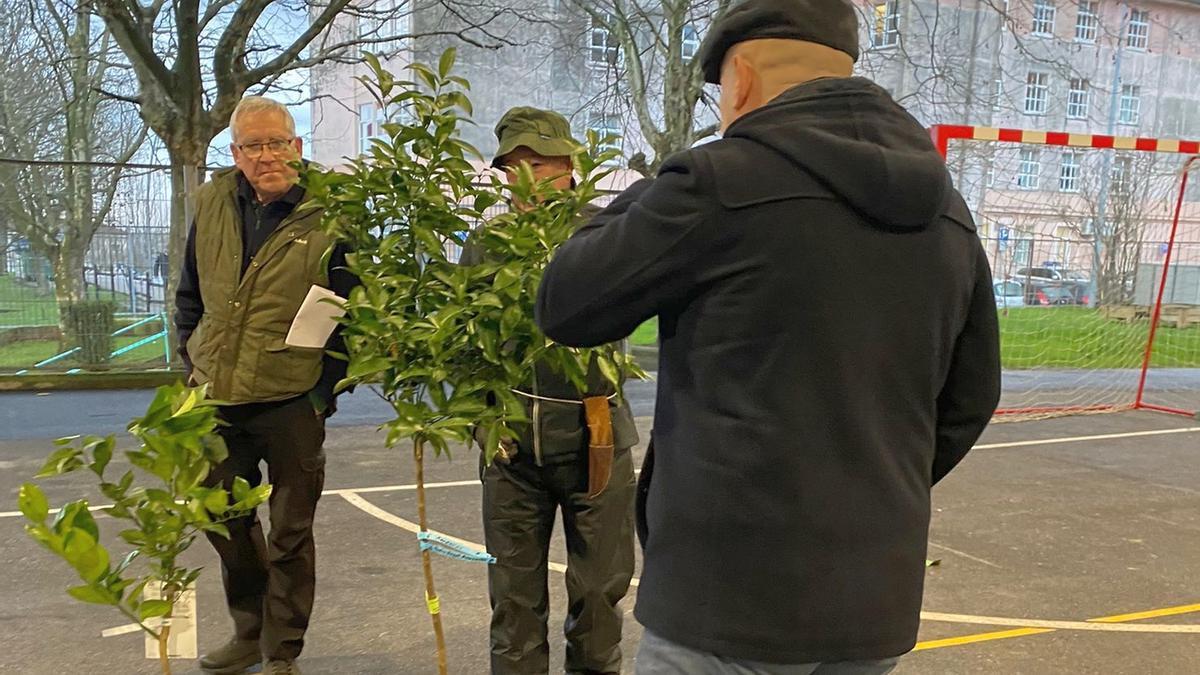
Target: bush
x,y
89,327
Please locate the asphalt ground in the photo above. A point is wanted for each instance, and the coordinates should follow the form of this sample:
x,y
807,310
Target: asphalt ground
x,y
1068,545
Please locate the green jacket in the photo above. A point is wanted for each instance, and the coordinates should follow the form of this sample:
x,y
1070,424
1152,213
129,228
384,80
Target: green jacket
x,y
557,431
238,347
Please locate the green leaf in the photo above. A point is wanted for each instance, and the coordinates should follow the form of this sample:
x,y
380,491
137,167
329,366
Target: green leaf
x,y
152,609
32,503
102,454
63,460
241,488
92,594
217,501
446,63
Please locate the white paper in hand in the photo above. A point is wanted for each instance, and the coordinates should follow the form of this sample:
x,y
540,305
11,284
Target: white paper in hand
x,y
315,321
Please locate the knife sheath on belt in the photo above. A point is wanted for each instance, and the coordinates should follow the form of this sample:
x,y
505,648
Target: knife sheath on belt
x,y
600,444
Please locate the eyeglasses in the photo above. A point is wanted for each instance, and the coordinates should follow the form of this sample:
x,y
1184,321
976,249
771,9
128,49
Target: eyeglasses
x,y
276,146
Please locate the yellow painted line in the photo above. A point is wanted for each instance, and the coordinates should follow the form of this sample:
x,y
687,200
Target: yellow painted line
x,y
979,637
1152,614
1102,623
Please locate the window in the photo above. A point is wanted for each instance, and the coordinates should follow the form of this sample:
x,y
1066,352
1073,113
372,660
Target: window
x,y
989,177
368,126
885,30
1078,99
1068,175
998,101
1138,36
1029,175
1044,13
1087,21
690,45
1122,173
602,53
400,20
1131,104
608,127
1037,93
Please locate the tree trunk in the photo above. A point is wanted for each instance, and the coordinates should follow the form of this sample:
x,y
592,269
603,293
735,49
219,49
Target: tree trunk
x,y
164,635
431,597
187,170
69,288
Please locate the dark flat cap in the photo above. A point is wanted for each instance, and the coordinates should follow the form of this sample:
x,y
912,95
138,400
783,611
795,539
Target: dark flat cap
x,y
832,23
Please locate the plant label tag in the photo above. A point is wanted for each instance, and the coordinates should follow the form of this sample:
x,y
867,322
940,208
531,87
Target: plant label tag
x,y
182,643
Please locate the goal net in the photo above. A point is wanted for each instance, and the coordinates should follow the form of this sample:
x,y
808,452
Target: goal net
x,y
1094,243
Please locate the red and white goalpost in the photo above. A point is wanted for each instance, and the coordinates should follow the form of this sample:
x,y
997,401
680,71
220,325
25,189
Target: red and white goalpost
x,y
1094,242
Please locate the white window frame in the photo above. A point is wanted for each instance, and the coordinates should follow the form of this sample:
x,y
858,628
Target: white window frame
x,y
689,45
1045,12
1079,98
1122,175
1087,21
1131,105
1037,92
1069,173
1029,172
368,126
602,53
999,93
885,24
1137,35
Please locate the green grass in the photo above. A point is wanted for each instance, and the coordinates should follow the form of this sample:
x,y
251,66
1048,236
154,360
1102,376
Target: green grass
x,y
28,352
24,304
1067,338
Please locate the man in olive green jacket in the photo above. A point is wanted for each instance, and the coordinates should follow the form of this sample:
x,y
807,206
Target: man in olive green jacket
x,y
547,469
252,255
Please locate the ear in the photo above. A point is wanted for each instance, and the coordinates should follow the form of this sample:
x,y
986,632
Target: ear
x,y
745,80
299,143
233,150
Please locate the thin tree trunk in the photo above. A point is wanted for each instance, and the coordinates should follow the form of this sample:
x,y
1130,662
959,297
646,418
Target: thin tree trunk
x,y
164,634
431,597
186,174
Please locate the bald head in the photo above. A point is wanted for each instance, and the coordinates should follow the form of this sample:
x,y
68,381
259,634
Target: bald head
x,y
757,71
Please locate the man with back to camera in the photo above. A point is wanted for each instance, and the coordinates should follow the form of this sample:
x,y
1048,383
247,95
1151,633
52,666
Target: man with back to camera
x,y
252,255
828,352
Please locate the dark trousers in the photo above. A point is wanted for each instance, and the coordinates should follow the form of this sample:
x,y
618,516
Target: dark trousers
x,y
520,503
269,583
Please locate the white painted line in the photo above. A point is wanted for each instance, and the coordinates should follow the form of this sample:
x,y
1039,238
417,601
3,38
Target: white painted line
x,y
401,488
333,492
1081,439
1061,625
467,483
968,556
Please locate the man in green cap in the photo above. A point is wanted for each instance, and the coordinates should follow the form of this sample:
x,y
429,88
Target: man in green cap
x,y
557,463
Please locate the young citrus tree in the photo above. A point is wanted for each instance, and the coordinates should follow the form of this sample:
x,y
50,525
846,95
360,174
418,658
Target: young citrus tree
x,y
166,507
447,344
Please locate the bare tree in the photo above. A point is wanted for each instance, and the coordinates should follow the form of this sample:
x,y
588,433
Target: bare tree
x,y
645,52
62,140
195,60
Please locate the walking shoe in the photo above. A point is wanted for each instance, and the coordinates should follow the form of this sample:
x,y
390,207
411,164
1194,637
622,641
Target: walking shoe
x,y
232,658
281,668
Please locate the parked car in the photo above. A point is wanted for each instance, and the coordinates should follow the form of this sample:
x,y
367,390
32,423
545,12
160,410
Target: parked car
x,y
1051,295
1009,294
1051,273
1062,280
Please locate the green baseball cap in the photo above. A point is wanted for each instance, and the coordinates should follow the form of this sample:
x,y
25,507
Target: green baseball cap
x,y
543,131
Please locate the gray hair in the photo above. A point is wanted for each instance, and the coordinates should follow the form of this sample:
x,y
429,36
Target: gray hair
x,y
259,104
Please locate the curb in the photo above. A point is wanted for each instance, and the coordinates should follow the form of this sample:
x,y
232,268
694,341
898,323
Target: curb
x,y
89,381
